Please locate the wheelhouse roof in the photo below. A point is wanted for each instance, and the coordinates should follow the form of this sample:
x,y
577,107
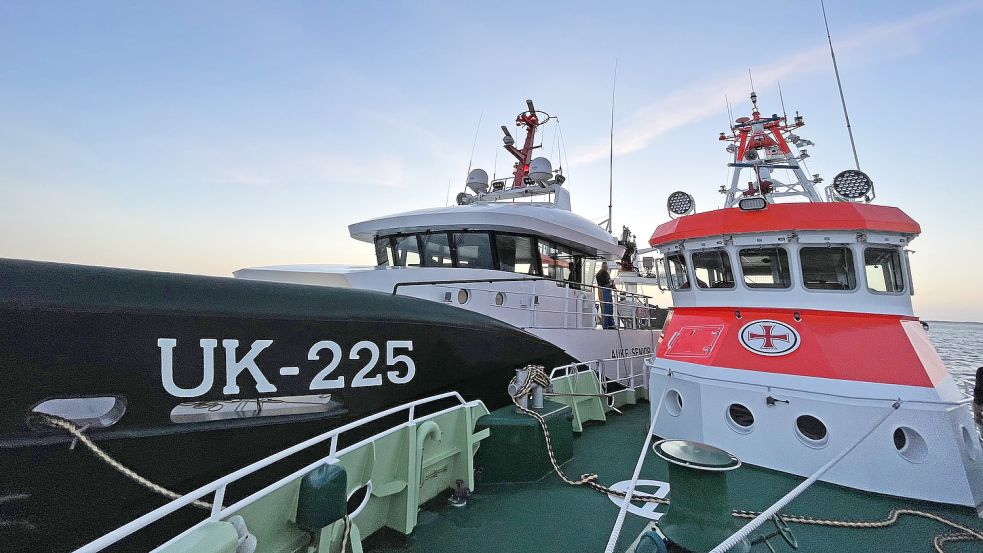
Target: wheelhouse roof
x,y
787,217
540,219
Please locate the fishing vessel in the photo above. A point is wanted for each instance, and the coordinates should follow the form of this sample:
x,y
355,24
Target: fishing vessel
x,y
117,383
511,249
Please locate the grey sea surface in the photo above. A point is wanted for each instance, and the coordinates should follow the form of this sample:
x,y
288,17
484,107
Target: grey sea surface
x,y
961,347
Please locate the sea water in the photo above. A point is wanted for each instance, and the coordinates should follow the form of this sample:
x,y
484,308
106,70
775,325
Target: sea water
x,y
961,347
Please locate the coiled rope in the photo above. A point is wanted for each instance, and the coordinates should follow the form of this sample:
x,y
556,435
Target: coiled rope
x,y
68,426
538,377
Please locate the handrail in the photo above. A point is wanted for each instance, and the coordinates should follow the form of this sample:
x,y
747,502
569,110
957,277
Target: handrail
x,y
218,486
567,283
465,281
578,292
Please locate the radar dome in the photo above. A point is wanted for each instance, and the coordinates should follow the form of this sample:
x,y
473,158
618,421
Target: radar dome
x,y
540,169
478,181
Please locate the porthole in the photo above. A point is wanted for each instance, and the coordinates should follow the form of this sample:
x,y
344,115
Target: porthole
x,y
358,499
500,298
811,431
910,444
89,412
463,295
740,418
674,403
900,440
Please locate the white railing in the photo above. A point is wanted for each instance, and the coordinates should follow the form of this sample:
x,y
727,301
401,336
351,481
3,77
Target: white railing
x,y
219,486
631,371
629,310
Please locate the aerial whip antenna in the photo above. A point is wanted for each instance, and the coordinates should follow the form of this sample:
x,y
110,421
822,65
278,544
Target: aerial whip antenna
x,y
475,142
782,99
839,85
730,113
614,84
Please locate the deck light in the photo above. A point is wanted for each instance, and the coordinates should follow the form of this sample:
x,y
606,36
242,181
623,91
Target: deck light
x,y
852,184
752,203
463,198
680,203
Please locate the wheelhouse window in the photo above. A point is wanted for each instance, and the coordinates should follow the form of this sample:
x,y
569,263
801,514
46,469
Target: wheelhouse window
x,y
517,254
765,267
883,270
828,268
474,250
384,252
556,260
676,268
712,269
436,250
407,251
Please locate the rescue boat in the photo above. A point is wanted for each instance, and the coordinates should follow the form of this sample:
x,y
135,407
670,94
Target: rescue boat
x,y
793,334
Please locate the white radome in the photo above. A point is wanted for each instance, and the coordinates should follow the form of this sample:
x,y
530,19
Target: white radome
x,y
540,169
478,181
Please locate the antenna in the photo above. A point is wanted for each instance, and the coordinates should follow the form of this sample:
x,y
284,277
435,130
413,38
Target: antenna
x,y
839,85
730,113
475,143
754,95
614,84
495,168
782,99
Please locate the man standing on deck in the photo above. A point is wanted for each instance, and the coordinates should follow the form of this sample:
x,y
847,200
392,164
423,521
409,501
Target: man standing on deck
x,y
603,278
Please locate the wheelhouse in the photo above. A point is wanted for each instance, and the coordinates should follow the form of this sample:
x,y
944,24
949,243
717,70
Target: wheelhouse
x,y
471,249
785,260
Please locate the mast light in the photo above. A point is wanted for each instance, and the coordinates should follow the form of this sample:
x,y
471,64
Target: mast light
x,y
752,203
852,184
680,203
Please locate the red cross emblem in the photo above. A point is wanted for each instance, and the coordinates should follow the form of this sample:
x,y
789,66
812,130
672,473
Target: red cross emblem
x,y
769,337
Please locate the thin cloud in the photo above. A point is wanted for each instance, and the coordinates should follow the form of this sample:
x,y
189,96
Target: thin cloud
x,y
703,100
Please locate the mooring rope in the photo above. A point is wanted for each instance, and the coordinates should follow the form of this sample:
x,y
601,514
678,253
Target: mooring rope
x,y
347,532
538,376
68,426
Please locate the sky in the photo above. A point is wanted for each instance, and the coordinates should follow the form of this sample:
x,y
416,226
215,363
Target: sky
x,y
203,137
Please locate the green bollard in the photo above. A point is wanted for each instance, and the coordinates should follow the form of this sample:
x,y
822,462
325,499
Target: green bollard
x,y
699,516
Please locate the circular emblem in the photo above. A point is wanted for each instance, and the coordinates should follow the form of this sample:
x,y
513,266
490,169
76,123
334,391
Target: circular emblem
x,y
766,337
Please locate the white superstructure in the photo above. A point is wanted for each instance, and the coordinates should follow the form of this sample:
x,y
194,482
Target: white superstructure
x,y
514,251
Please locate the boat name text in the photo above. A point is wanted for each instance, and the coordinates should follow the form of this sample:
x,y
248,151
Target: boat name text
x,y
402,367
631,352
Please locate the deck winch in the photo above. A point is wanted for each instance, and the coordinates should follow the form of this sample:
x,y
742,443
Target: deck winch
x,y
699,515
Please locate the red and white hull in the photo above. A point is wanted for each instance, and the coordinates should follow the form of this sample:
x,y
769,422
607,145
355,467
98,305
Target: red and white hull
x,y
847,371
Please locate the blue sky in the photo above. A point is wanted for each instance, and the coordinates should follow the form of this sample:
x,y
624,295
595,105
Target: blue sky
x,y
207,136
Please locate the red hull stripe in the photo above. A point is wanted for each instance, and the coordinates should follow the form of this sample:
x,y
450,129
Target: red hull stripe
x,y
845,346
786,218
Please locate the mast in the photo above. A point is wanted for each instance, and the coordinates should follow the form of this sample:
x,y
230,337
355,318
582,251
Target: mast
x,y
614,85
839,85
530,120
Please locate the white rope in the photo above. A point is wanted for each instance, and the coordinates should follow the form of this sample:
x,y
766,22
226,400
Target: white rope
x,y
64,424
757,521
623,511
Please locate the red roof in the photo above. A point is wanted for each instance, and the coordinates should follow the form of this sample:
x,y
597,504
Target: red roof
x,y
786,217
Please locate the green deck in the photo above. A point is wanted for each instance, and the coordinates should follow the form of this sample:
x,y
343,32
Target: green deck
x,y
549,516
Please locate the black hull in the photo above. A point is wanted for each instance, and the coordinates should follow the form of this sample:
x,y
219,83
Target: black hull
x,y
72,331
